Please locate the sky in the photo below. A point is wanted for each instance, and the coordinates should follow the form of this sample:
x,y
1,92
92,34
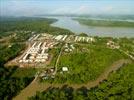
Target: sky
x,y
42,7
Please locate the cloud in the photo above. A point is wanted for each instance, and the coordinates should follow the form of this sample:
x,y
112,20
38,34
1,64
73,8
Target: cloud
x,y
69,10
61,10
33,7
22,8
82,10
108,8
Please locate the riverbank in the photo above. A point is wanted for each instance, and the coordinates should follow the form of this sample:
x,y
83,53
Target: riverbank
x,y
104,23
77,28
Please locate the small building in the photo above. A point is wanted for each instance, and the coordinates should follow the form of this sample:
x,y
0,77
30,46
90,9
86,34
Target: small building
x,y
64,69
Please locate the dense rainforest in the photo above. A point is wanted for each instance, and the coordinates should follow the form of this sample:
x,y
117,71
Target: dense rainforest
x,y
10,86
30,24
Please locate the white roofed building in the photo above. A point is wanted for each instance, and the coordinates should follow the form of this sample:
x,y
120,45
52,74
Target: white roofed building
x,y
64,69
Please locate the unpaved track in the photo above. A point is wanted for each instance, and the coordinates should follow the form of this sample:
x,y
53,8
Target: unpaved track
x,y
31,89
56,64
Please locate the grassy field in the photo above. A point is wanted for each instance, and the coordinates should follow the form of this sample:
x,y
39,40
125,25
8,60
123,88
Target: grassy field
x,y
24,72
105,23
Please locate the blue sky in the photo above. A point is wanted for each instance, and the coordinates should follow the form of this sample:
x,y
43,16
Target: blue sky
x,y
40,7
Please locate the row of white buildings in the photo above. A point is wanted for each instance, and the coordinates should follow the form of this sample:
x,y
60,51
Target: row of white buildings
x,y
84,39
74,39
61,38
37,53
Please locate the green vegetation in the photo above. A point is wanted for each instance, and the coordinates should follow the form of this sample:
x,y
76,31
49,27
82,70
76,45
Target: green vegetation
x,y
83,34
105,23
24,72
85,63
10,86
30,24
14,32
7,53
127,44
120,85
54,52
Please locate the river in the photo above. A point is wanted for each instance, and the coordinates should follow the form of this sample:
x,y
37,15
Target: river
x,y
77,28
